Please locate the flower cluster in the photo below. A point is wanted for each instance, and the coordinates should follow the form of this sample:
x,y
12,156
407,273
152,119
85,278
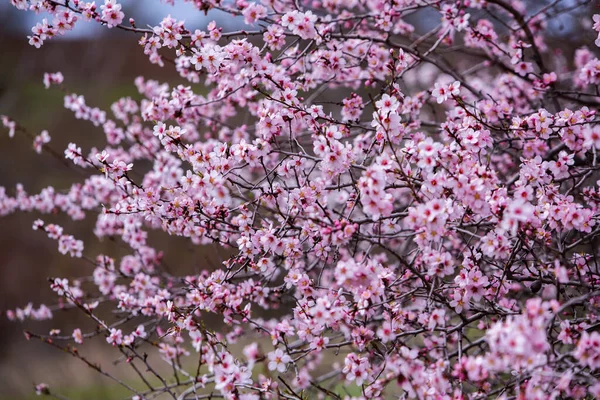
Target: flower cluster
x,y
410,214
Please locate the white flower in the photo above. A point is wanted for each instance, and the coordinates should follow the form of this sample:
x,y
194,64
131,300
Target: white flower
x,y
278,360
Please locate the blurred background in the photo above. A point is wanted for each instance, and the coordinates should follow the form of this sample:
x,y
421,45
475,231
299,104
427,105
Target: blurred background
x,y
101,65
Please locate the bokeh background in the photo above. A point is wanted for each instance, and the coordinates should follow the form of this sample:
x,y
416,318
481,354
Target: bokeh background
x,y
101,65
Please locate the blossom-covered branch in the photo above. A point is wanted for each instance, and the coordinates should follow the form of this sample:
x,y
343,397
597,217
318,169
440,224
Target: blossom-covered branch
x,y
419,207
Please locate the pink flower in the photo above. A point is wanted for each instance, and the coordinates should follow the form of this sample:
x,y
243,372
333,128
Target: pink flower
x,y
254,12
40,140
278,360
440,92
588,350
53,79
301,24
78,336
42,389
115,337
111,13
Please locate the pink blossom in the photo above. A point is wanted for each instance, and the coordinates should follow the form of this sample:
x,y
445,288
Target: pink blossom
x,y
278,360
406,212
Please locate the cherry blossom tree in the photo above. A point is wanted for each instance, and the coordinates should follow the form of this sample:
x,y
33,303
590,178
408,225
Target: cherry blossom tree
x,y
430,234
